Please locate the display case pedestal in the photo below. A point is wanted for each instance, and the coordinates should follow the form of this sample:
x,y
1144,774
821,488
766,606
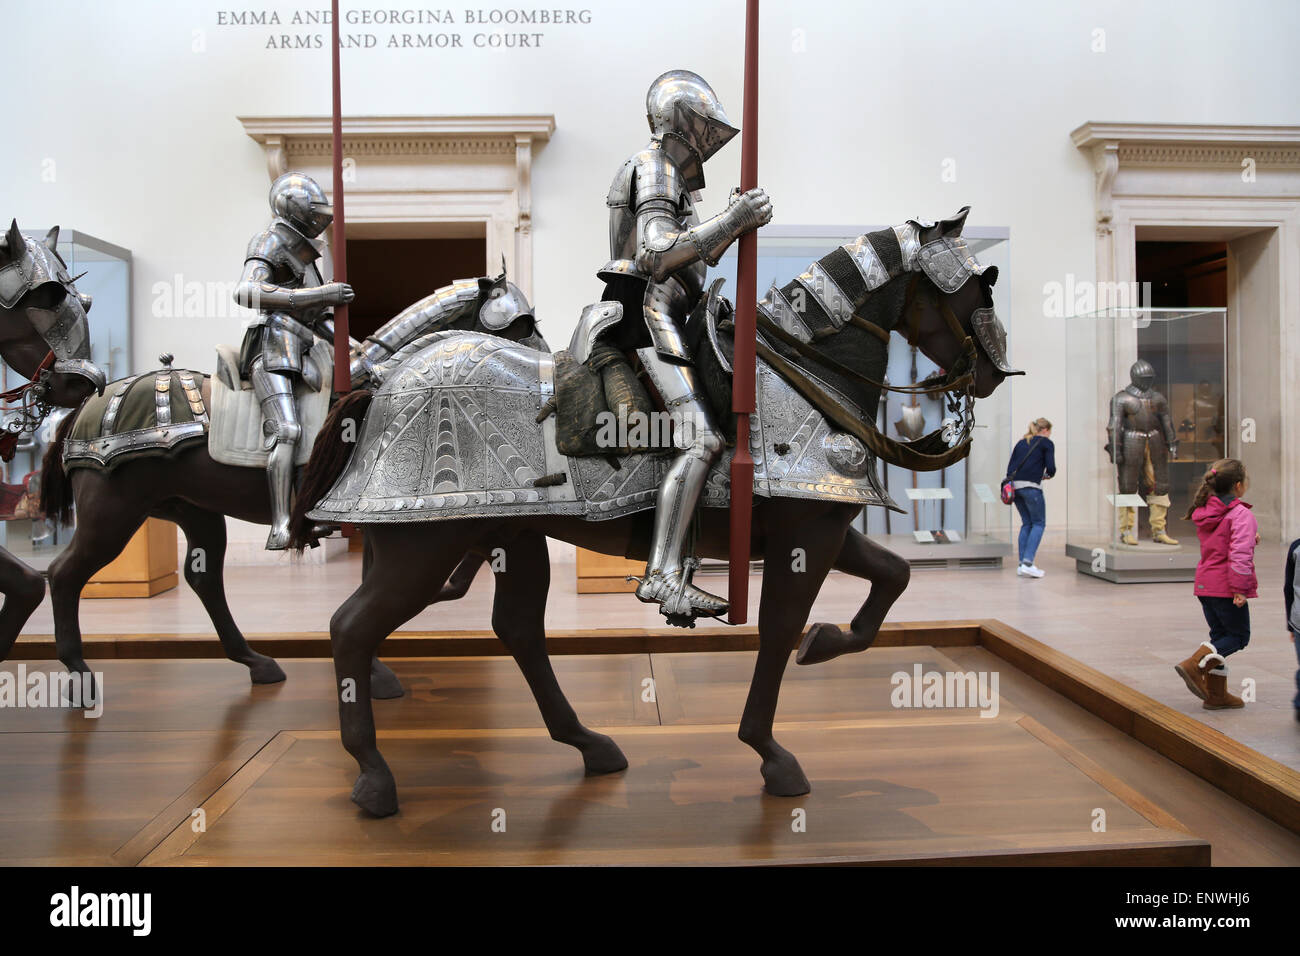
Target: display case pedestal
x,y
146,566
604,573
974,551
1144,564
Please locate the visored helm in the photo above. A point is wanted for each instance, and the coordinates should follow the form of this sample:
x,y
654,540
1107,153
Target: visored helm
x,y
681,105
298,199
1142,374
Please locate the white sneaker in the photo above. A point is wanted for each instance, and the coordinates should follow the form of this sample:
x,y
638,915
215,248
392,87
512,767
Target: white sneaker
x,y
1028,571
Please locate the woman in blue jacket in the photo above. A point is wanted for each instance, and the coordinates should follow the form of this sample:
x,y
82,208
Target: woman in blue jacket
x,y
1032,461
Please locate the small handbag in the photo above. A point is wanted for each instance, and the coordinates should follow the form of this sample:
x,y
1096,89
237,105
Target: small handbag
x,y
1008,485
1008,492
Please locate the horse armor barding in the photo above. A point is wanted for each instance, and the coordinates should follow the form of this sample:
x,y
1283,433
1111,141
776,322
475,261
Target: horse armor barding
x,y
452,433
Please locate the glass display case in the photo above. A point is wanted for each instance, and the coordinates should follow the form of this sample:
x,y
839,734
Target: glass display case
x,y
1147,397
102,271
954,517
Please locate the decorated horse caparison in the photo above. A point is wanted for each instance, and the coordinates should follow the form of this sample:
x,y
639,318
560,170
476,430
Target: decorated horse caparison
x,y
44,337
187,447
475,444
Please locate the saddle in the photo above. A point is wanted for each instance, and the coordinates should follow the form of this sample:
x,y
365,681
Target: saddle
x,y
607,389
235,435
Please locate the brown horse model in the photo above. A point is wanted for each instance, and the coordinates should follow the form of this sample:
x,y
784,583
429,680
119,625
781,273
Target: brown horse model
x,y
414,457
184,484
38,299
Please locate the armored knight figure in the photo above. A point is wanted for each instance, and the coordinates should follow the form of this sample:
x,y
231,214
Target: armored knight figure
x,y
659,251
282,282
1141,440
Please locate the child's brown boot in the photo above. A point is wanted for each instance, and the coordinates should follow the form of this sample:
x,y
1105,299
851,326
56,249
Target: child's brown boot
x,y
1218,697
1192,672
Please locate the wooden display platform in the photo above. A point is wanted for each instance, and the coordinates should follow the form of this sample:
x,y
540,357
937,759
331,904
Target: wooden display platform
x,y
605,573
146,566
890,785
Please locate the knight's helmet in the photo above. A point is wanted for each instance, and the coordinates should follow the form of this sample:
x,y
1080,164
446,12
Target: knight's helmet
x,y
1142,375
683,109
299,200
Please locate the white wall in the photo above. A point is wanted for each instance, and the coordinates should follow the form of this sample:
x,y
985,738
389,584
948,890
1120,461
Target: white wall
x,y
855,125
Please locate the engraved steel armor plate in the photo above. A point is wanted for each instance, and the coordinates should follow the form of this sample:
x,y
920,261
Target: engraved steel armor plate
x,y
452,434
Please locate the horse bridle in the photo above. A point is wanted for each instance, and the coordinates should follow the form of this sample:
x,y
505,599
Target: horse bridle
x,y
957,384
32,411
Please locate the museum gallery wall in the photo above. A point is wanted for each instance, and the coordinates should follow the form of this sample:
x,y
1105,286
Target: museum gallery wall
x,y
165,169
1053,214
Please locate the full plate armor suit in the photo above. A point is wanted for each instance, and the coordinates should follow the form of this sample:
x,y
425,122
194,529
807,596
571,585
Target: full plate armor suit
x,y
1141,440
659,253
282,282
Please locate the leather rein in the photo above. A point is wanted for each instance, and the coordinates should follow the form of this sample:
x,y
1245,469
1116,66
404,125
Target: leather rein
x,y
918,455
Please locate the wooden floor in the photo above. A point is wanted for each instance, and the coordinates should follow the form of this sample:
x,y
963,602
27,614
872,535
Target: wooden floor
x,y
265,767
1134,633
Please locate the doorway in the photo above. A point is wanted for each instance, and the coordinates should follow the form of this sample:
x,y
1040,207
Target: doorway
x,y
390,274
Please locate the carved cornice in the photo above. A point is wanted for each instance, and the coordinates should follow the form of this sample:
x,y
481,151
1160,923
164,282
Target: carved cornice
x,y
1185,133
537,126
403,146
1188,145
310,136
1190,154
1113,146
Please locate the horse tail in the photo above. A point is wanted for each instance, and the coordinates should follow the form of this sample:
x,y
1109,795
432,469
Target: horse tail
x,y
328,457
56,487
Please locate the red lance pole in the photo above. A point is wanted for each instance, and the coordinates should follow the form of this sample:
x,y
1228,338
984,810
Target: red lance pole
x,y
742,396
342,360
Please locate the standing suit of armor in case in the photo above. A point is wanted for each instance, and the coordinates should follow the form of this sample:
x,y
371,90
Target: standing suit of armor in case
x,y
281,280
1141,440
659,252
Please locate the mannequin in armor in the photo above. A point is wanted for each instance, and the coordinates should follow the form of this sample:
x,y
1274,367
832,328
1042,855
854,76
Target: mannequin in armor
x,y
659,251
1141,440
294,304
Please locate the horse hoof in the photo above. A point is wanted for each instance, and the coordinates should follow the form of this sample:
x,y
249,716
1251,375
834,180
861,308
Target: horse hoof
x,y
264,670
783,777
376,794
823,642
603,756
384,684
85,692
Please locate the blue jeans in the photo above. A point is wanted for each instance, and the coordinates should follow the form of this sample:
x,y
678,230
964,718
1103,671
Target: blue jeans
x,y
1296,702
1033,517
1229,624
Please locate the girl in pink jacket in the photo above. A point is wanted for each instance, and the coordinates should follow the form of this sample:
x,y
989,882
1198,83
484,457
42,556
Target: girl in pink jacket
x,y
1225,579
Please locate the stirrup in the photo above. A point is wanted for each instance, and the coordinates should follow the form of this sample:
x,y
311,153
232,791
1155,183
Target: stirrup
x,y
680,601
